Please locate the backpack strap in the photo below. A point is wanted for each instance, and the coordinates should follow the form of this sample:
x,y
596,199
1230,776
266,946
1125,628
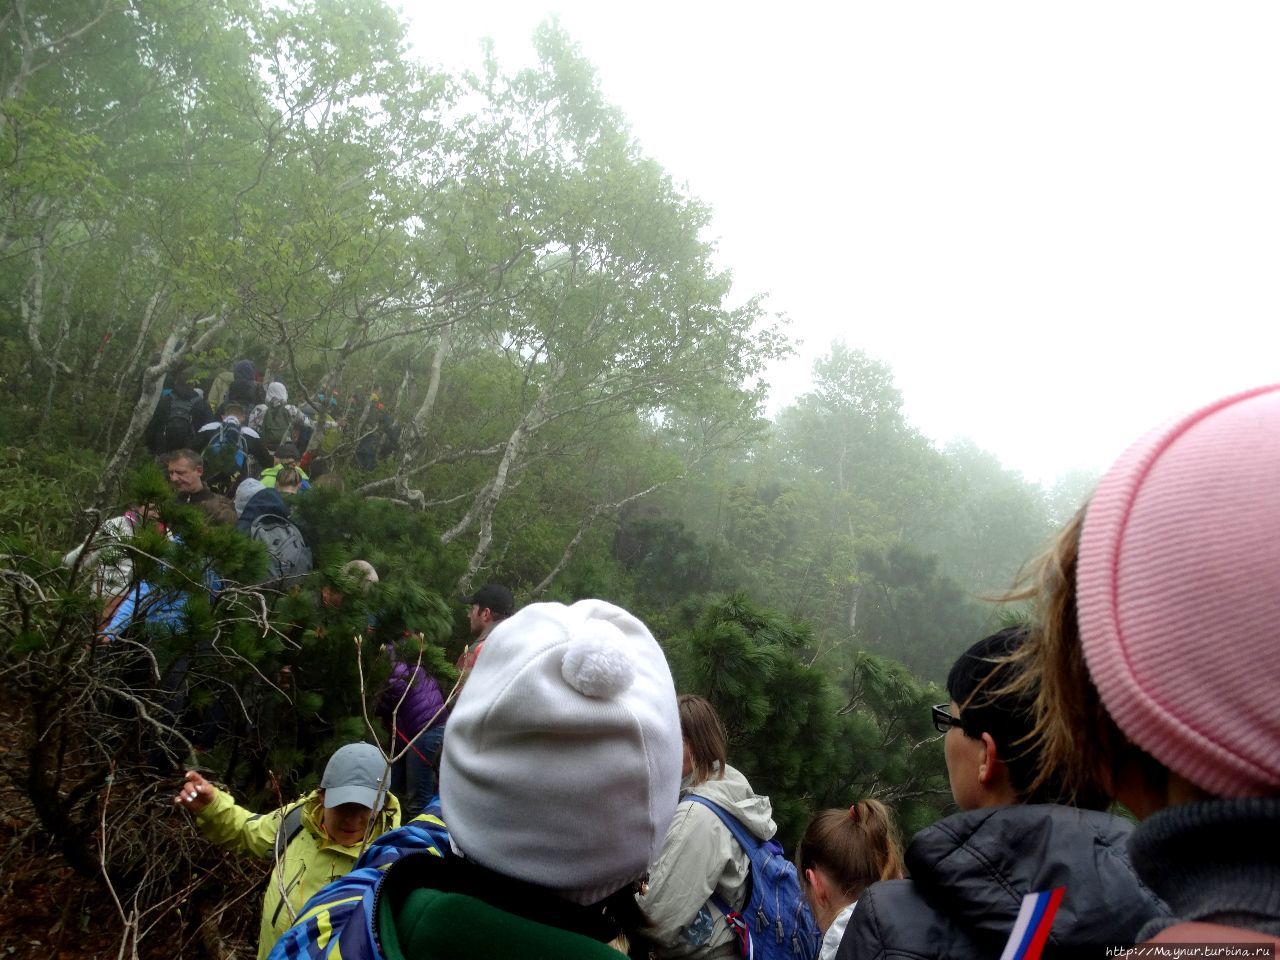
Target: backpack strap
x,y
750,844
290,827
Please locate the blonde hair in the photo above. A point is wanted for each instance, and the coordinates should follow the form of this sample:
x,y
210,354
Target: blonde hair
x,y
288,476
1079,745
854,847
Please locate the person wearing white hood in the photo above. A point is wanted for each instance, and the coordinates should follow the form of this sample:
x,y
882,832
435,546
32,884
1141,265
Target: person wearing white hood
x,y
700,858
275,419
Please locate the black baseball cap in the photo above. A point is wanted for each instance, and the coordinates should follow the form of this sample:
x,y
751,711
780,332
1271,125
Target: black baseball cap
x,y
495,597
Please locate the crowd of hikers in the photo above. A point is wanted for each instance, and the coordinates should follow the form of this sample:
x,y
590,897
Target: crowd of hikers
x,y
562,800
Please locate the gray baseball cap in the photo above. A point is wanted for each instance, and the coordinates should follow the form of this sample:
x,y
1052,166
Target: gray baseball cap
x,y
355,774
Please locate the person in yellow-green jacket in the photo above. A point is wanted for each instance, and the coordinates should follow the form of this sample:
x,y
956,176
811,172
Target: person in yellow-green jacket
x,y
316,839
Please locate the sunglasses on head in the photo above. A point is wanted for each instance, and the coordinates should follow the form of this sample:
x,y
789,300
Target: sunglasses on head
x,y
942,718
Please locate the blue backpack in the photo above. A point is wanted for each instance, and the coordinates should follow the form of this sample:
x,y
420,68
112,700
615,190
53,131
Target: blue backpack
x,y
337,923
226,459
775,923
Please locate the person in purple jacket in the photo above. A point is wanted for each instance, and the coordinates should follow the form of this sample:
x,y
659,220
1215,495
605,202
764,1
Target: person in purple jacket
x,y
411,707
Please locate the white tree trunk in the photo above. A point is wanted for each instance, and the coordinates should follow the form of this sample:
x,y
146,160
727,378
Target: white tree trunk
x,y
418,427
175,345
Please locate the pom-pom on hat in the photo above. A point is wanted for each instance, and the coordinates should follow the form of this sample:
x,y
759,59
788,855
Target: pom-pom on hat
x,y
1178,593
562,756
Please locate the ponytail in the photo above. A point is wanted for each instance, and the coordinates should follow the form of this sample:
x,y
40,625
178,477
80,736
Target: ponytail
x,y
854,847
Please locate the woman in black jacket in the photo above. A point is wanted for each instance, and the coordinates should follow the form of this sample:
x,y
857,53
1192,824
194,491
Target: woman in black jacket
x,y
970,871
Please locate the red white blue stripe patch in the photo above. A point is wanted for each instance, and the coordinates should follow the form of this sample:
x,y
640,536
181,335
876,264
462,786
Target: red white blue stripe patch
x,y
1031,929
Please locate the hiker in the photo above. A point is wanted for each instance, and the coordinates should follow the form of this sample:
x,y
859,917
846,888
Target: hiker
x,y
1013,837
841,853
254,500
245,388
265,517
217,393
276,419
412,709
378,443
1157,670
487,607
313,841
558,779
286,455
326,435
104,553
700,858
186,476
231,452
290,481
180,413
137,635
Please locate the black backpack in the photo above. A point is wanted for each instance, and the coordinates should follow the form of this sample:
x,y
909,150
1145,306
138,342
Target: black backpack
x,y
177,433
290,557
226,459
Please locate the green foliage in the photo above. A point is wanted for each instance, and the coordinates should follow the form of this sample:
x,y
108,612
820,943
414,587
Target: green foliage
x,y
492,262
909,611
780,712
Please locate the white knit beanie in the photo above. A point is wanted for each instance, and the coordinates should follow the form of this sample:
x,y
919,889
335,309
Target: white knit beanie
x,y
562,757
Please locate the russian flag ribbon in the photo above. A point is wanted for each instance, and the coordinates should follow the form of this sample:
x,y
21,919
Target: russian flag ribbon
x,y
1031,929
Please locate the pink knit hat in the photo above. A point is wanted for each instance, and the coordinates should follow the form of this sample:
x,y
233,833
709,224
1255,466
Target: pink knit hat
x,y
1178,589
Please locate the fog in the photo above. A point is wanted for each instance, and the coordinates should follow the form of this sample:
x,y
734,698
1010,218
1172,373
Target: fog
x,y
1056,224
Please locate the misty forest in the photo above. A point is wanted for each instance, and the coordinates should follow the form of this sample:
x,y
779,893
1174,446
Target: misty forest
x,y
522,365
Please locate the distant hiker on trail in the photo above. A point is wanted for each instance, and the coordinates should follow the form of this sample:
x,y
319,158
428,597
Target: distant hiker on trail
x,y
231,452
186,475
277,420
245,388
489,606
378,443
286,456
313,841
180,413
218,390
326,435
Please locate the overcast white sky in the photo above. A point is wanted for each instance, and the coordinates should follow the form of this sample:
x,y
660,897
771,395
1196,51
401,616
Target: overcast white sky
x,y
1057,223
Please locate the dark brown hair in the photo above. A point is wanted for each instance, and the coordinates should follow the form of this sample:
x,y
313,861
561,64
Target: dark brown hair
x,y
854,847
703,732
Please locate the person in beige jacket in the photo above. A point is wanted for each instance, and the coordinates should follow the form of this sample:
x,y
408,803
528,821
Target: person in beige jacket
x,y
699,856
